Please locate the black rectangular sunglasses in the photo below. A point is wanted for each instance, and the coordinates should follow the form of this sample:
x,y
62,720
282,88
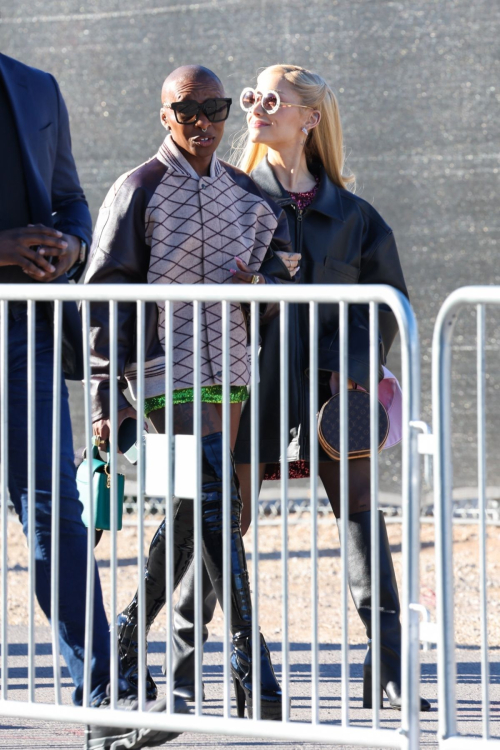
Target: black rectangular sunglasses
x,y
188,111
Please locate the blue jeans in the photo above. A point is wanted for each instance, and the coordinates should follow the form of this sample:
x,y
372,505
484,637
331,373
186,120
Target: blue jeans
x,y
73,534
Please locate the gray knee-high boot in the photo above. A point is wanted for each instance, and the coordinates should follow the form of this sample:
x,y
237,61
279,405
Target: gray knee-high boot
x,y
360,581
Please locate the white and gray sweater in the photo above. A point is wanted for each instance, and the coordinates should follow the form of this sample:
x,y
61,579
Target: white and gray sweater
x,y
163,224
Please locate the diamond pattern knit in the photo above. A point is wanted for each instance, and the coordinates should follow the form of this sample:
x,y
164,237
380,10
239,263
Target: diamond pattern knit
x,y
195,228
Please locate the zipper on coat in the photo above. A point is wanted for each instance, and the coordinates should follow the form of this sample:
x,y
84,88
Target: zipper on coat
x,y
304,421
298,228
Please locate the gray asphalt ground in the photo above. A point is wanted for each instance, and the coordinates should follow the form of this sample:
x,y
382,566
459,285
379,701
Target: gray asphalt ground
x,y
15,733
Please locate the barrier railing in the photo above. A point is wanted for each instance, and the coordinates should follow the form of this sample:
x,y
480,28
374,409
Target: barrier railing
x,y
407,736
449,737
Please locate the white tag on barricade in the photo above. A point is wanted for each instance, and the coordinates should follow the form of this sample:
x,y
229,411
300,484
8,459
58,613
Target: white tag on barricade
x,y
156,458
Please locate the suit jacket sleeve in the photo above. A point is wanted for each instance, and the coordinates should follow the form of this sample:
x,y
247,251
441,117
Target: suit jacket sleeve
x,y
119,255
71,211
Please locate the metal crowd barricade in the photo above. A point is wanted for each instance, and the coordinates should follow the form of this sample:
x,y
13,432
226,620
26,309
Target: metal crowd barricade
x,y
407,735
443,486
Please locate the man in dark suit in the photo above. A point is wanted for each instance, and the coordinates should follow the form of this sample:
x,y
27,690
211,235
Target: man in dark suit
x,y
45,230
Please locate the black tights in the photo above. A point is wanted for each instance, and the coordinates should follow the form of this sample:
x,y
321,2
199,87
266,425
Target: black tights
x,y
329,473
359,484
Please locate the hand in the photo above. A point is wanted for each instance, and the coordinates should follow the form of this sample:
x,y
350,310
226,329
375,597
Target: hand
x,y
291,261
62,259
101,428
244,274
17,248
335,383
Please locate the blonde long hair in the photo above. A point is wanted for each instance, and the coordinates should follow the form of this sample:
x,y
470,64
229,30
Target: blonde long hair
x,y
324,143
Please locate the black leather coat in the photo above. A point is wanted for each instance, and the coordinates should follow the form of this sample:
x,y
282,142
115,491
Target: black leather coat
x,y
343,240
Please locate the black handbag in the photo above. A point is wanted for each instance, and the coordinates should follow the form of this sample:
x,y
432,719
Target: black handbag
x,y
358,428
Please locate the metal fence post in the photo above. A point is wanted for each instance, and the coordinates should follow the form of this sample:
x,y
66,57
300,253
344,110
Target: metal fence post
x,y
441,383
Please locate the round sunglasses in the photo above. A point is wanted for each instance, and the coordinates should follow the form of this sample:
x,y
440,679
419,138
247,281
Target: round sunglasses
x,y
188,111
270,101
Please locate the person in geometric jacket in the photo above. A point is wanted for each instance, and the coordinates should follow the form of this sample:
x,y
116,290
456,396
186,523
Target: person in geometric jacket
x,y
186,217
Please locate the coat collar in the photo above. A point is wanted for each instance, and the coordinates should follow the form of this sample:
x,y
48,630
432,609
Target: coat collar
x,y
13,72
170,155
328,200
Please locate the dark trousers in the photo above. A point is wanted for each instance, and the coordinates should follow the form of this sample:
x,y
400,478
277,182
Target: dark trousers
x,y
73,534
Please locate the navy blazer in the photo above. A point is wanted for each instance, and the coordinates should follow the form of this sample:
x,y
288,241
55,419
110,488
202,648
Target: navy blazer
x,y
54,191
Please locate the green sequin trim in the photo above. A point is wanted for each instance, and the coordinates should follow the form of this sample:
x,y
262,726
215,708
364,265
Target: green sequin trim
x,y
210,394
153,404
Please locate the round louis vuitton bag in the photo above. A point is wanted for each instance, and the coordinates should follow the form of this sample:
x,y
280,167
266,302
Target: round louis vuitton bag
x,y
358,427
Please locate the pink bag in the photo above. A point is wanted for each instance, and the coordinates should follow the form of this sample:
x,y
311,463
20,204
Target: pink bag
x,y
390,395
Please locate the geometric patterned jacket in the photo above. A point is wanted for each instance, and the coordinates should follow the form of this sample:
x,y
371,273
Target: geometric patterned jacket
x,y
161,223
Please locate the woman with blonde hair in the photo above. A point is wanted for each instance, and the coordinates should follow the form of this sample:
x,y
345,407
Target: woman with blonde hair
x,y
294,152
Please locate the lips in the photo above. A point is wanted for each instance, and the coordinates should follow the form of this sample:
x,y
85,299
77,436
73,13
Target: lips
x,y
259,124
203,141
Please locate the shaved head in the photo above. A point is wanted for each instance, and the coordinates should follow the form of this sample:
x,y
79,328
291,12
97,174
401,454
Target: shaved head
x,y
189,78
199,137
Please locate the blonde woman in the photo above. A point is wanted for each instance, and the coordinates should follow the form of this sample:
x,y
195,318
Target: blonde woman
x,y
294,152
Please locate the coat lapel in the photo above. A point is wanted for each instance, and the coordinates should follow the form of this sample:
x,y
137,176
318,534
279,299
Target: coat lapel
x,y
23,102
328,200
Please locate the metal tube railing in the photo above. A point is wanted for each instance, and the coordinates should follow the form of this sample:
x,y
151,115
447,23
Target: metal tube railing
x,y
90,579
344,506
56,499
141,588
169,511
313,469
410,471
197,510
255,489
375,530
441,381
313,730
113,516
4,481
284,439
226,506
443,484
31,494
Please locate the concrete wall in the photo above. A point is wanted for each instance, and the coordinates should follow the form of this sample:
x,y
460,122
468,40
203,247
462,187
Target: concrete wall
x,y
418,85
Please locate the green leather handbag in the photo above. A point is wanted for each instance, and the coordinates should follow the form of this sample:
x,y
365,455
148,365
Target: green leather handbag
x,y
101,483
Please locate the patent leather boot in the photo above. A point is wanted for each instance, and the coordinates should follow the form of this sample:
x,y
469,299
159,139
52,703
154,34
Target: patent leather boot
x,y
183,635
241,670
359,551
128,636
241,605
128,650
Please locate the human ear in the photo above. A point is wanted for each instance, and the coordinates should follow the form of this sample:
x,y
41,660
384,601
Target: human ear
x,y
163,118
313,120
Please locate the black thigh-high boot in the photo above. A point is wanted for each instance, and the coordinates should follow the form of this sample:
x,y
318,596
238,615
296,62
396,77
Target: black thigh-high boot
x,y
241,605
155,594
359,551
183,635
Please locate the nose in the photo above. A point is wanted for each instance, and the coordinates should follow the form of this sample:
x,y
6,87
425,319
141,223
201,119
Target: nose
x,y
257,107
202,121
